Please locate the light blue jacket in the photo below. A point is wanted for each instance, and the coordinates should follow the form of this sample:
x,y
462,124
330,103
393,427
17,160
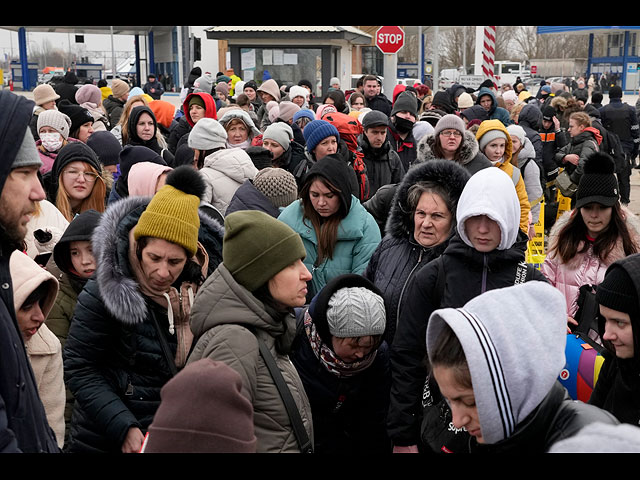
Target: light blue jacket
x,y
358,237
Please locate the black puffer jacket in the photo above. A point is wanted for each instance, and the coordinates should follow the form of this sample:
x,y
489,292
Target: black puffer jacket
x,y
399,256
383,164
114,364
465,270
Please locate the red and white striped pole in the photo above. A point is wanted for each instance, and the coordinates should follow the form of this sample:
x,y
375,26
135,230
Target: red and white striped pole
x,y
485,53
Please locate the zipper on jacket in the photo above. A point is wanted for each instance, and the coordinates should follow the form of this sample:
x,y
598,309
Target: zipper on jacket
x,y
485,268
129,390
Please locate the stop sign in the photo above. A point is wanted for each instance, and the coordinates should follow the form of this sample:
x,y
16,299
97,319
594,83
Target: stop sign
x,y
389,39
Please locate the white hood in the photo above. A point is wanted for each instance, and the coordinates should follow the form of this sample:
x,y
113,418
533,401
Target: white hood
x,y
491,192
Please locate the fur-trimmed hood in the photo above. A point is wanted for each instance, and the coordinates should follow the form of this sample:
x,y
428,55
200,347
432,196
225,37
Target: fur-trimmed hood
x,y
110,242
468,151
445,172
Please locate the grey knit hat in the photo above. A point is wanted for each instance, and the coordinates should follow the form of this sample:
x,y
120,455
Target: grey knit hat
x,y
207,134
279,132
278,185
56,120
447,122
27,154
488,137
356,312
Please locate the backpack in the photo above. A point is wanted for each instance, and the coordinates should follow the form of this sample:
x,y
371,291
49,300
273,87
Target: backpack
x,y
612,146
350,129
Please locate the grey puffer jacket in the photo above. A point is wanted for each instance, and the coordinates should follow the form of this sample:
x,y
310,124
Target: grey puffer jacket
x,y
225,320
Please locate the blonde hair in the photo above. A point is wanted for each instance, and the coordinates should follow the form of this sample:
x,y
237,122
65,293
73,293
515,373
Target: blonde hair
x,y
95,201
581,118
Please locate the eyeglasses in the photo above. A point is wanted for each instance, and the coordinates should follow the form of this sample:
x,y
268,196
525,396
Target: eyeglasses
x,y
451,133
89,177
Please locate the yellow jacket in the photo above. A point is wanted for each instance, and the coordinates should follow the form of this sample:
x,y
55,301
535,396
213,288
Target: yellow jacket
x,y
509,169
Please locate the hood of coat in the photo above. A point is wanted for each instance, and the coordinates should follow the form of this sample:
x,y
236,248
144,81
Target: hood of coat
x,y
491,192
508,383
589,133
209,106
26,276
530,116
110,243
222,301
468,150
487,91
443,172
234,163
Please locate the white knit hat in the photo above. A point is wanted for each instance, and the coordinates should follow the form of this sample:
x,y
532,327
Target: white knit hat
x,y
56,120
356,312
207,134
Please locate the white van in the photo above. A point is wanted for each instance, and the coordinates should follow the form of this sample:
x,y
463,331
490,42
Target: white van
x,y
508,71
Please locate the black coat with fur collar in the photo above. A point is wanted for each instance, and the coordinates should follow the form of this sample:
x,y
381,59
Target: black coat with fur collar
x,y
469,156
114,364
398,256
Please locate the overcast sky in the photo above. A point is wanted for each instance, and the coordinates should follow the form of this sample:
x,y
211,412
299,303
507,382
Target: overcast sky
x,y
92,42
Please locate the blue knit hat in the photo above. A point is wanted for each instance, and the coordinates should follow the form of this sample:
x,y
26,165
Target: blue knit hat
x,y
304,112
318,130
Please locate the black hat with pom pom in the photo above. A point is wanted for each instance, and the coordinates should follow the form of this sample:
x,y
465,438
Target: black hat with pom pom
x,y
172,213
598,183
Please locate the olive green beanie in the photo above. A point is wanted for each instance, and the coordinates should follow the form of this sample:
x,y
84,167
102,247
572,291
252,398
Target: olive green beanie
x,y
256,246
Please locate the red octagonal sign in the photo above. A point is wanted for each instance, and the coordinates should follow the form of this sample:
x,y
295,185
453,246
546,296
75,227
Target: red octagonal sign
x,y
389,39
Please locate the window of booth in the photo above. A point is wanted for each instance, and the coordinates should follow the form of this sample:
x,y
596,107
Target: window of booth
x,y
288,65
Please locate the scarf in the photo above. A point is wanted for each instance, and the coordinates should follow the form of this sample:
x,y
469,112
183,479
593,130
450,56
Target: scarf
x,y
177,304
328,358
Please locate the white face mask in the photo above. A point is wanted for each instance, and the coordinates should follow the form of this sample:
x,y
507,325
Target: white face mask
x,y
51,141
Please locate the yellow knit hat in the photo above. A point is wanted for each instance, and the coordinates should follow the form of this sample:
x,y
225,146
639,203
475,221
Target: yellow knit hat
x,y
172,213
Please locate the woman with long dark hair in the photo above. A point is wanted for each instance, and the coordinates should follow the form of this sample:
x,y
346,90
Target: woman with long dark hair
x,y
338,233
589,238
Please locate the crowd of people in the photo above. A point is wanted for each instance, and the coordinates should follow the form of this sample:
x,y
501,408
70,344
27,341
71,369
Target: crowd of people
x,y
264,270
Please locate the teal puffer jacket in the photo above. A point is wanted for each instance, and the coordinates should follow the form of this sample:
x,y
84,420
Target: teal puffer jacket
x,y
358,237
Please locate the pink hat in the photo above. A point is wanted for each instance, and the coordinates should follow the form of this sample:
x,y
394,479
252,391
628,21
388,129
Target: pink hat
x,y
143,178
89,94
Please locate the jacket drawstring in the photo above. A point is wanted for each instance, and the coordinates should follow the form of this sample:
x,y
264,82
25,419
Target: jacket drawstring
x,y
169,313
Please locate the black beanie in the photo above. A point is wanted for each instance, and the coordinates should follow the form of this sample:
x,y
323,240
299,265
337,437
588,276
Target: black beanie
x,y
78,115
617,291
548,113
106,146
598,182
260,156
406,102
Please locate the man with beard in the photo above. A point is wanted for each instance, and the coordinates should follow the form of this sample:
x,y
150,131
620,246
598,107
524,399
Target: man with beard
x,y
23,423
403,118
